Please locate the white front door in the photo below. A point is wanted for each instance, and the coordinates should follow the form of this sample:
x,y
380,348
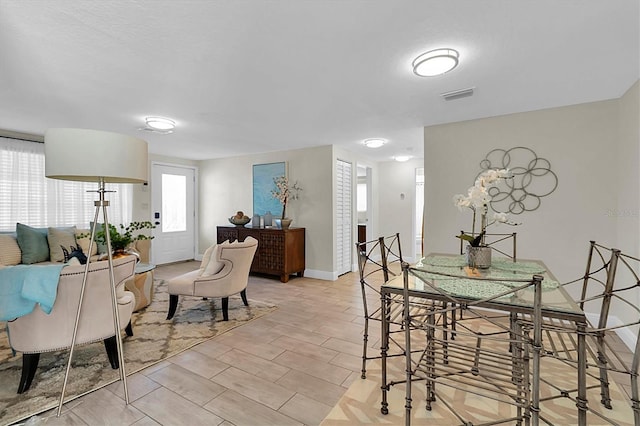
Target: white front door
x,y
173,200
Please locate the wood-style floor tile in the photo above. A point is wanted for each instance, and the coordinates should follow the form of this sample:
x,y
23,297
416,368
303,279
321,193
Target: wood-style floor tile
x,y
187,384
169,408
138,386
252,364
307,349
199,363
242,411
306,410
313,367
260,390
312,387
93,409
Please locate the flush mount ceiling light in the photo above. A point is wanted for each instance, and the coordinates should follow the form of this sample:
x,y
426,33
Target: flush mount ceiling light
x,y
402,158
160,123
435,62
374,143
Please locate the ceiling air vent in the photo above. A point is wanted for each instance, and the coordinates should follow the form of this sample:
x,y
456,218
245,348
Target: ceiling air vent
x,y
457,94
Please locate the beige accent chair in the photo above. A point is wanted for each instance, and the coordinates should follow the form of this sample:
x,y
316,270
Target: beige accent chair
x,y
38,332
223,274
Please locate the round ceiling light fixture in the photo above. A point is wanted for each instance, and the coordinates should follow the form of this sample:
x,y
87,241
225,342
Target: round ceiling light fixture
x,y
374,143
402,158
160,123
435,62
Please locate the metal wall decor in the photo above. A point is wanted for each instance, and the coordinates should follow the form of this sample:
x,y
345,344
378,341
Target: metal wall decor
x,y
532,179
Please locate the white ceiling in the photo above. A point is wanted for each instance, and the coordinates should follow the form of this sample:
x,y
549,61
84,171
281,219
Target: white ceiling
x,y
242,77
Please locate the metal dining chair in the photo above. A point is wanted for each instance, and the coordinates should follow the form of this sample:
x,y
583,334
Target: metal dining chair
x,y
608,288
376,261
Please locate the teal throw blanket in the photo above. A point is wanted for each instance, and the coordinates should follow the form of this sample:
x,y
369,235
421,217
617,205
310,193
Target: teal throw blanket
x,y
24,286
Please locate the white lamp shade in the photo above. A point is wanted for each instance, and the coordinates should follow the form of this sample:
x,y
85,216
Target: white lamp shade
x,y
93,155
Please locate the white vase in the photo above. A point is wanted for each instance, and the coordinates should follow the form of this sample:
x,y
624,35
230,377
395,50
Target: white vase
x,y
479,257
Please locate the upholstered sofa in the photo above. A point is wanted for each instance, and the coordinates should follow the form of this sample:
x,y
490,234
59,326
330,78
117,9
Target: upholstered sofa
x,y
31,245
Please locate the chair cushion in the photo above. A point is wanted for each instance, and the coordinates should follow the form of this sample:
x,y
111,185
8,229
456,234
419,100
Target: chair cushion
x,y
33,244
58,238
10,253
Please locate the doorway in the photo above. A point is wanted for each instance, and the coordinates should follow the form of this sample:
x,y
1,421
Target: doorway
x,y
173,201
344,217
419,216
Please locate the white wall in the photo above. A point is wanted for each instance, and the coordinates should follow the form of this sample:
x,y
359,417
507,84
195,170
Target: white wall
x,y
226,187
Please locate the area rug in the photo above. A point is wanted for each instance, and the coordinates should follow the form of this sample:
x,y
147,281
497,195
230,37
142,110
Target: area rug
x,y
154,340
360,404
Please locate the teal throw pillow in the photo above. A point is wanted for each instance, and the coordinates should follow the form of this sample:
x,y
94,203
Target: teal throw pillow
x,y
33,244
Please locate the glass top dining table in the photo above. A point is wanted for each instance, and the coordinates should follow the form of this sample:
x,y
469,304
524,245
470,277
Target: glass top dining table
x,y
440,277
448,274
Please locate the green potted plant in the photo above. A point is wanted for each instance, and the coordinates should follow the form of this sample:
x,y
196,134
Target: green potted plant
x,y
120,240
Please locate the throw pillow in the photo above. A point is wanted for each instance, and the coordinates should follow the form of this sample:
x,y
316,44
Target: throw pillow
x,y
205,258
84,242
58,238
102,247
10,253
214,265
33,244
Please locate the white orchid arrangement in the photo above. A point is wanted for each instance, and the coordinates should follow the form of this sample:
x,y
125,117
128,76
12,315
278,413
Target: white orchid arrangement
x,y
284,192
478,199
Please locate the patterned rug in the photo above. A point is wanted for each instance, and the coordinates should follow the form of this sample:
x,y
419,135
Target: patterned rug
x,y
154,339
360,405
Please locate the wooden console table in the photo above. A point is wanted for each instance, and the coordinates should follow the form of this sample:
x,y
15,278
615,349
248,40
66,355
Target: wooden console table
x,y
280,251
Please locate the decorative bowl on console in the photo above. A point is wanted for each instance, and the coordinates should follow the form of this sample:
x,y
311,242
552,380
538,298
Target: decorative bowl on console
x,y
239,219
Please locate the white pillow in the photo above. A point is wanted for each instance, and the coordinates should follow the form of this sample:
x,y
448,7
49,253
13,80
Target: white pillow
x,y
205,258
214,265
10,253
84,242
58,238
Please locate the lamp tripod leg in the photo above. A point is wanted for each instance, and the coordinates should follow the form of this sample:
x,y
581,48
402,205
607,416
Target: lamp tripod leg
x,y
114,305
114,301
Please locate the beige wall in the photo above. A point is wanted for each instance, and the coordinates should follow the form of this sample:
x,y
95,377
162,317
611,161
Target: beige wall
x,y
594,150
226,186
628,168
397,202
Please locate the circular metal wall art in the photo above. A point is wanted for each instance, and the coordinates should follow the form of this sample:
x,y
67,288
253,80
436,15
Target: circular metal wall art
x,y
532,179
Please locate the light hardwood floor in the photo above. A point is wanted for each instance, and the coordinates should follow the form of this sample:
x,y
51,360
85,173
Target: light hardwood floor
x,y
289,367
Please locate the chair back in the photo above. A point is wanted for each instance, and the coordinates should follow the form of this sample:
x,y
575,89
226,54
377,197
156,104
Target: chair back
x,y
40,332
610,283
237,258
376,259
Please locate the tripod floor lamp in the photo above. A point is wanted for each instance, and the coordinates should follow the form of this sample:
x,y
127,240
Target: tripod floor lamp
x,y
102,157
